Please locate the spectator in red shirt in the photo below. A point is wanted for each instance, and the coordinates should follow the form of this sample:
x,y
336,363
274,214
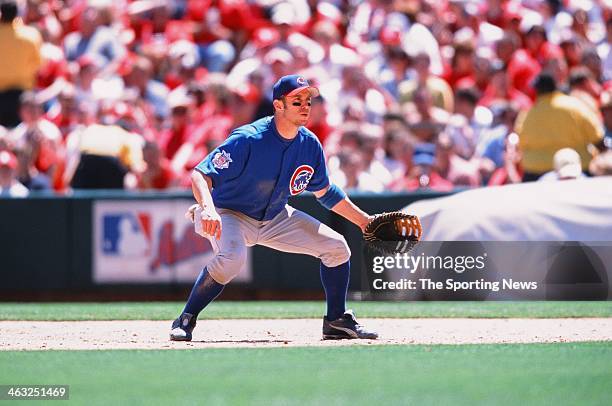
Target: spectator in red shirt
x,y
572,49
423,175
537,45
511,172
521,67
171,139
500,89
158,173
62,113
462,64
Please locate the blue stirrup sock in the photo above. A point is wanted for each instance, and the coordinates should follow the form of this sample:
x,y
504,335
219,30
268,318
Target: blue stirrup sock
x,y
204,291
335,282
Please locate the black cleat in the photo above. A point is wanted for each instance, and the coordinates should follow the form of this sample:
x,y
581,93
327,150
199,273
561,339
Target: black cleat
x,y
182,327
346,327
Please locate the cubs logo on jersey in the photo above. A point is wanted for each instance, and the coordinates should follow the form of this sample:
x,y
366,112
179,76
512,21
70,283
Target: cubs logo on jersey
x,y
221,160
300,178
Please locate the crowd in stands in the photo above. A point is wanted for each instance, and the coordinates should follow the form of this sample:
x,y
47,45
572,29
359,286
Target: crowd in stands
x,y
415,94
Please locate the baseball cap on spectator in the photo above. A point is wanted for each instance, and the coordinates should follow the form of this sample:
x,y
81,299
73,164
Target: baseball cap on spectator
x,y
329,11
184,50
8,159
178,98
292,84
278,55
265,36
391,36
325,31
424,154
530,21
567,163
283,13
465,36
100,4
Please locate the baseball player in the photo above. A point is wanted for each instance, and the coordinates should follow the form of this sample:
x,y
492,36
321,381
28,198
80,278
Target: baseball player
x,y
242,188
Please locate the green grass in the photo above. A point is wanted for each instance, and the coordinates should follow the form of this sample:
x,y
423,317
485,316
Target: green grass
x,y
264,309
551,374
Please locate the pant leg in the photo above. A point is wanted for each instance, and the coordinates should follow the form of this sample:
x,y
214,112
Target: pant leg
x,y
9,108
296,232
98,172
230,250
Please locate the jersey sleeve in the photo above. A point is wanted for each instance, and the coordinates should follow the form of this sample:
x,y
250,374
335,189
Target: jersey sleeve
x,y
320,178
227,161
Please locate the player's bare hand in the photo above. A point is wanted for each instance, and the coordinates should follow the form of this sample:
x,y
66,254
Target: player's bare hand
x,y
211,223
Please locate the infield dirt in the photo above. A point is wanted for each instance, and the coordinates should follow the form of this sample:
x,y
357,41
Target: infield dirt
x,y
87,335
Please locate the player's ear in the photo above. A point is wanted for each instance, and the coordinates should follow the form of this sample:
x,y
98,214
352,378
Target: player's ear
x,y
278,105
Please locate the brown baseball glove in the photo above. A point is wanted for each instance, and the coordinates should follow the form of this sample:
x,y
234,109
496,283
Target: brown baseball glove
x,y
393,232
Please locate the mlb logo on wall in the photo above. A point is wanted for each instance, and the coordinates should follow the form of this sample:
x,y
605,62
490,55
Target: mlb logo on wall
x,y
126,234
147,241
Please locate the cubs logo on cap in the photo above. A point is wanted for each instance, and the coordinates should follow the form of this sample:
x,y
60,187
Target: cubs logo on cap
x,y
300,179
292,84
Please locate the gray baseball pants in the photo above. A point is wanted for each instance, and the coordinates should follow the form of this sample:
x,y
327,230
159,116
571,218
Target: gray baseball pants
x,y
290,231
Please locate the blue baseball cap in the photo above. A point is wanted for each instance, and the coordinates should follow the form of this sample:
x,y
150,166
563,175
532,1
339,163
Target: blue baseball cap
x,y
290,85
424,154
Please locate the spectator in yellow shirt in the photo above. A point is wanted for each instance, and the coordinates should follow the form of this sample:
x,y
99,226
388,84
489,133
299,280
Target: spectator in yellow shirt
x,y
554,122
19,62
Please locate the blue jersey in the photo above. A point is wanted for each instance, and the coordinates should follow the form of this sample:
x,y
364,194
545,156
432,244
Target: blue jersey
x,y
256,170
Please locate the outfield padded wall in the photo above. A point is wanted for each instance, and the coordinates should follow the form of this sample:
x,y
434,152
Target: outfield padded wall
x,y
47,241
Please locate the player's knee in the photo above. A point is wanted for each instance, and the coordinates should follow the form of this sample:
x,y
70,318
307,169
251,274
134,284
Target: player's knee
x,y
227,265
338,253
